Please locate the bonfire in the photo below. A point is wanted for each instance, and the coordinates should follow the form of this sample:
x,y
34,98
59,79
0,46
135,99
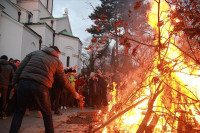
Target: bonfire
x,y
168,99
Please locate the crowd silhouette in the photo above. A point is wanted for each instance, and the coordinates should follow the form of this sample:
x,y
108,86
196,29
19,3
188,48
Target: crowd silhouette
x,y
93,87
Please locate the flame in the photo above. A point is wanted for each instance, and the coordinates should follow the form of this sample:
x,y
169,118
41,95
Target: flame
x,y
125,122
179,77
184,74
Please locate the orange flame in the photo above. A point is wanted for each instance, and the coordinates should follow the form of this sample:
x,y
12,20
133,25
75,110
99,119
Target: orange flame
x,y
181,78
181,72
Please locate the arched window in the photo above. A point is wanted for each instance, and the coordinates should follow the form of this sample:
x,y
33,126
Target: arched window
x,y
68,61
29,18
51,23
19,14
33,46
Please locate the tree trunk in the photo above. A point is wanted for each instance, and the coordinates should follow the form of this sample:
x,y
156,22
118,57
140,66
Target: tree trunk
x,y
118,115
152,125
143,125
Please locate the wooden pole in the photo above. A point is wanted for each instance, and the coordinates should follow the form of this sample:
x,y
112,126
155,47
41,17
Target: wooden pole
x,y
119,114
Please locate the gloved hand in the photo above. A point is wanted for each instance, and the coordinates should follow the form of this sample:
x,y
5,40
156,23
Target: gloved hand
x,y
81,100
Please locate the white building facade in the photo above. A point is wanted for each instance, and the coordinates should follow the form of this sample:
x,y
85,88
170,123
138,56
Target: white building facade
x,y
28,25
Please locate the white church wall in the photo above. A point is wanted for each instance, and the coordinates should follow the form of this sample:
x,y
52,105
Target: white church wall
x,y
24,16
30,42
37,8
10,40
67,20
10,9
47,4
79,53
45,32
14,36
49,36
68,26
40,29
69,47
14,1
44,2
48,21
33,7
1,9
36,16
50,5
60,24
43,11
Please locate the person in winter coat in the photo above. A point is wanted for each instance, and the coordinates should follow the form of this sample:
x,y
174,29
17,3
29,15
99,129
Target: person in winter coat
x,y
11,95
80,84
102,87
6,75
92,84
71,101
35,76
16,64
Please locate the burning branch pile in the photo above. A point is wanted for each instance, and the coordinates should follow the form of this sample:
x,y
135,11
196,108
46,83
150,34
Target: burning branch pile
x,y
171,83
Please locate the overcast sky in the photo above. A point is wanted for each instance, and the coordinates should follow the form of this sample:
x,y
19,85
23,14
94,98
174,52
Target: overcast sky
x,y
78,11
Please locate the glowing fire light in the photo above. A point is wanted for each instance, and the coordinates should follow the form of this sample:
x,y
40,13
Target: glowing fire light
x,y
183,74
179,76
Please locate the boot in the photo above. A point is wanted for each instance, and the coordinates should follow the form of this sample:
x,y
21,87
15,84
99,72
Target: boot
x,y
27,112
39,114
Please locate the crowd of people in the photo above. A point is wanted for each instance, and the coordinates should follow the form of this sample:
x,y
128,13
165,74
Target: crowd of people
x,y
7,69
39,82
93,88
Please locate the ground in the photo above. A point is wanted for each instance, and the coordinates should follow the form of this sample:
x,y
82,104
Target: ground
x,y
72,120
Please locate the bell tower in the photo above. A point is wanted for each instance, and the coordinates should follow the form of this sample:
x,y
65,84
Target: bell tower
x,y
50,6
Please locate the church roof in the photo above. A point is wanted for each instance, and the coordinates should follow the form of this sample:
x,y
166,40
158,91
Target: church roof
x,y
53,18
65,33
32,31
41,23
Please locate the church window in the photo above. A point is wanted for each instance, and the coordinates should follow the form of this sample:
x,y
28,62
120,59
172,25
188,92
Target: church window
x,y
51,23
29,18
68,61
19,14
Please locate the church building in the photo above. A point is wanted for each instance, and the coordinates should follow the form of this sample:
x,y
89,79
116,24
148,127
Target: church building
x,y
28,25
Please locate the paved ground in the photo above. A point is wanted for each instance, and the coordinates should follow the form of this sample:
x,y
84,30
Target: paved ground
x,y
72,120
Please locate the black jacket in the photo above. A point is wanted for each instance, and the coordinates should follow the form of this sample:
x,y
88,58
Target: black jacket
x,y
6,73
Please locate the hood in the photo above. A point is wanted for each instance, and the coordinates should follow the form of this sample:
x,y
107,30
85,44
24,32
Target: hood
x,y
50,51
3,62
